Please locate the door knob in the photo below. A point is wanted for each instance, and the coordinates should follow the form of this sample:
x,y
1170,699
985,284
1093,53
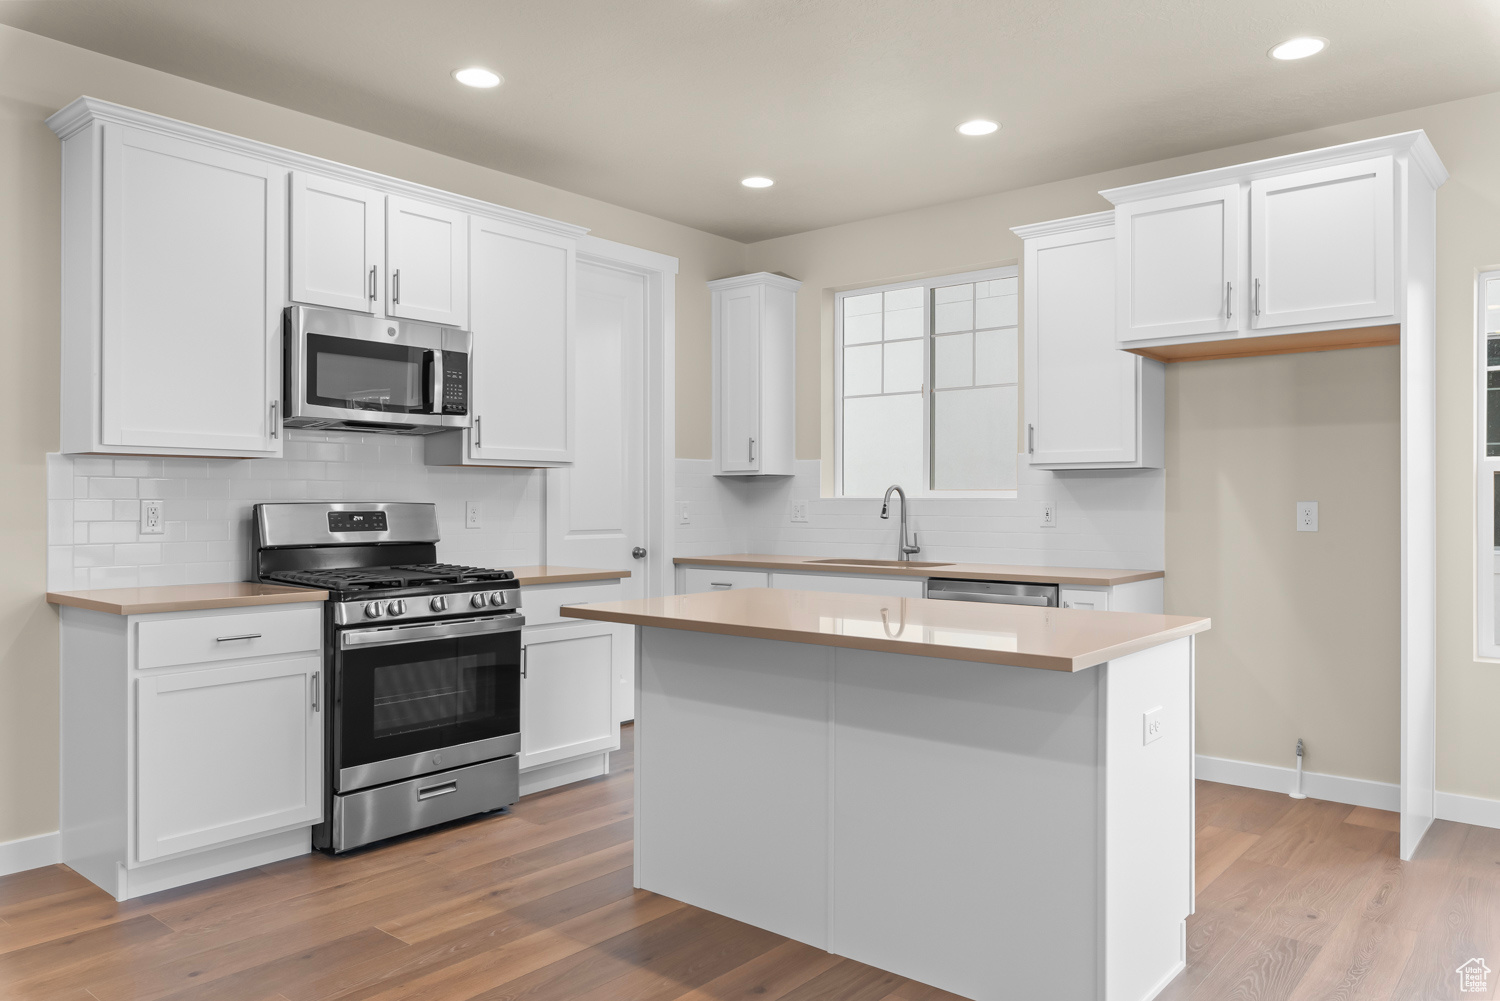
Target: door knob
x,y
639,552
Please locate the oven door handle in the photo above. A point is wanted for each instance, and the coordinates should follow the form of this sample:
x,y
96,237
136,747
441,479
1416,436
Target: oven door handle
x,y
423,631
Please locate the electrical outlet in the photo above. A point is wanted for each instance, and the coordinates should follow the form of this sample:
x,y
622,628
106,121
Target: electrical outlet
x,y
682,512
472,517
1049,515
1307,516
152,522
799,511
1151,725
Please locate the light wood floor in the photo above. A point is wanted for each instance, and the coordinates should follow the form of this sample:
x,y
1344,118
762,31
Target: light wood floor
x,y
1302,900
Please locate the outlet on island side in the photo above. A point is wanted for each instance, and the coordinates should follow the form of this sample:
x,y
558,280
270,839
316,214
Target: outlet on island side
x,y
473,517
1151,725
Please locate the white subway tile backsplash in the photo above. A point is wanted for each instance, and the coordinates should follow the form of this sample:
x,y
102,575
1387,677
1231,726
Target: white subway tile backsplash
x,y
126,510
113,531
91,466
112,486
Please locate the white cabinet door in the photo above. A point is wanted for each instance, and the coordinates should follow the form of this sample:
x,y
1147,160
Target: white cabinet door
x,y
699,579
1322,244
338,237
895,587
427,255
1094,601
225,753
568,692
194,279
522,318
1082,392
1178,258
737,323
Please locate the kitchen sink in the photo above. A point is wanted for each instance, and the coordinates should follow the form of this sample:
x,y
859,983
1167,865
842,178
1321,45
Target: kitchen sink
x,y
903,564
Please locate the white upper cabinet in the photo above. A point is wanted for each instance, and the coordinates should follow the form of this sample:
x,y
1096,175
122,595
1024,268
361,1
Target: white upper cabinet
x,y
754,364
188,245
1178,257
337,243
1088,404
427,252
1322,244
1308,244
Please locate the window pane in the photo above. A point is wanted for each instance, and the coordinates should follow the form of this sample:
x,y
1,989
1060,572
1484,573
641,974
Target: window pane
x,y
862,370
857,305
995,356
974,439
862,329
953,308
903,323
1493,349
1492,305
995,303
953,361
903,367
882,444
905,298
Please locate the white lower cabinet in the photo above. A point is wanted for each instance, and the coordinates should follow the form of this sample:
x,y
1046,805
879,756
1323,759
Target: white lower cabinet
x,y
696,579
1089,600
178,764
896,587
226,752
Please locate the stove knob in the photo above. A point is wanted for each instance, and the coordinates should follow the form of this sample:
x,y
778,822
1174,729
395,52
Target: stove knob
x,y
478,600
497,599
397,607
438,604
373,610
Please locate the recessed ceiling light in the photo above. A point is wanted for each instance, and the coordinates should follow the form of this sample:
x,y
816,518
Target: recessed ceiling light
x,y
1299,48
476,76
757,182
978,127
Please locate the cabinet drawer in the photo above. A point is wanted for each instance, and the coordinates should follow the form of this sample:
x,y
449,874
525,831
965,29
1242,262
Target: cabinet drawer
x,y
1095,601
540,605
896,587
208,638
715,579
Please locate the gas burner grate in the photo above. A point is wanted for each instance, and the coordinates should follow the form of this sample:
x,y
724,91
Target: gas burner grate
x,y
455,572
343,580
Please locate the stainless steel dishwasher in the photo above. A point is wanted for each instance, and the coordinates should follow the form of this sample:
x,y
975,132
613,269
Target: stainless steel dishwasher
x,y
999,592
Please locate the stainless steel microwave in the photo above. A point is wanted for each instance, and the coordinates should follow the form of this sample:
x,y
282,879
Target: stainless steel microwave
x,y
347,372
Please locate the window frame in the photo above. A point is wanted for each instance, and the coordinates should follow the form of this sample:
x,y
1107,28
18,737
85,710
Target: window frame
x,y
1486,468
925,491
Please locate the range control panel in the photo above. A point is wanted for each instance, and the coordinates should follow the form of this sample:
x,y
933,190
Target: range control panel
x,y
357,521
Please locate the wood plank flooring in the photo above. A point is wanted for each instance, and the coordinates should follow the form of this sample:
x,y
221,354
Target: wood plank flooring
x,y
1297,900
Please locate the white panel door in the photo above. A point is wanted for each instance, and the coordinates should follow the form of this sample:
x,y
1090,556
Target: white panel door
x,y
524,355
1082,392
337,238
194,279
427,254
1178,259
738,326
568,691
1322,244
226,753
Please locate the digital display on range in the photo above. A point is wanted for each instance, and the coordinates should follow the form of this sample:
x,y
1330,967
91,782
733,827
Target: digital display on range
x,y
357,521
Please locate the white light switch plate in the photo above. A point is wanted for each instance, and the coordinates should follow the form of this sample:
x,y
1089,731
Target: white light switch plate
x,y
1307,516
1151,725
682,512
799,511
472,516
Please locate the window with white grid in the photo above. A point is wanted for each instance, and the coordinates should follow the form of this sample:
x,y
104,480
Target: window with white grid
x,y
926,386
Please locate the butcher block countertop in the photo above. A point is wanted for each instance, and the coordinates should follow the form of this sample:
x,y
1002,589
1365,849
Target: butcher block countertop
x,y
184,597
544,574
1053,639
1089,576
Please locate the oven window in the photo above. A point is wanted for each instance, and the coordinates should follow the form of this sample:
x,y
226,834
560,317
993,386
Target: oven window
x,y
431,694
361,375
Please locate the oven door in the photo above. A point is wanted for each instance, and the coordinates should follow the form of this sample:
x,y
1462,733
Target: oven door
x,y
425,697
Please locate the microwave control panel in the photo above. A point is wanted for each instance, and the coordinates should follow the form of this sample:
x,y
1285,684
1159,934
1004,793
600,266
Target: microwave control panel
x,y
455,383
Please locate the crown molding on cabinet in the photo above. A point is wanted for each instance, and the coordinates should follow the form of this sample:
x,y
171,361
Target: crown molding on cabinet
x,y
1415,145
86,110
1072,224
759,278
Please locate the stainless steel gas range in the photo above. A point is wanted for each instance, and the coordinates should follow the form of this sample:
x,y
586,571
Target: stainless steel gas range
x,y
423,666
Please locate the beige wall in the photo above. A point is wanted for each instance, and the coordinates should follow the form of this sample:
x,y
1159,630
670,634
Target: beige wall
x,y
1231,550
38,76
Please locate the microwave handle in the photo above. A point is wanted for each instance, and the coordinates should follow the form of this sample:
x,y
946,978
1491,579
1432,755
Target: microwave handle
x,y
437,381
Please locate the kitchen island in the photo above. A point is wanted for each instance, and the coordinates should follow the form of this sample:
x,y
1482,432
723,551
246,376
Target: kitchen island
x,y
995,800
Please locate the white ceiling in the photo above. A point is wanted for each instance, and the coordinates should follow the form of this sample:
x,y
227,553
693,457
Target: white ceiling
x,y
663,105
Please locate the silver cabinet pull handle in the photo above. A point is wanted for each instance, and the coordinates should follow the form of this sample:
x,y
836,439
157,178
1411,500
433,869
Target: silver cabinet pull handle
x,y
372,283
438,790
396,286
752,449
1031,439
523,663
719,583
241,636
1255,297
478,432
1229,300
275,419
315,676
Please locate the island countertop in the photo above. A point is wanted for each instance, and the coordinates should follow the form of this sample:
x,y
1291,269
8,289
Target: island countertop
x,y
1053,639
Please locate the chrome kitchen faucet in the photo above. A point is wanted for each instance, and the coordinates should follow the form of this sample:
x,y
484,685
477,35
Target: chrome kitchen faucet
x,y
903,549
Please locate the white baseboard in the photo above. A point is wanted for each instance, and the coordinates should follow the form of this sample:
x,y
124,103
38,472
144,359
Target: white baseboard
x,y
1272,778
30,853
1474,810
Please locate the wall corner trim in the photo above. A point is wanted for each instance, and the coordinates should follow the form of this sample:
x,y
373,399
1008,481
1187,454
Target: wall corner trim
x,y
30,853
